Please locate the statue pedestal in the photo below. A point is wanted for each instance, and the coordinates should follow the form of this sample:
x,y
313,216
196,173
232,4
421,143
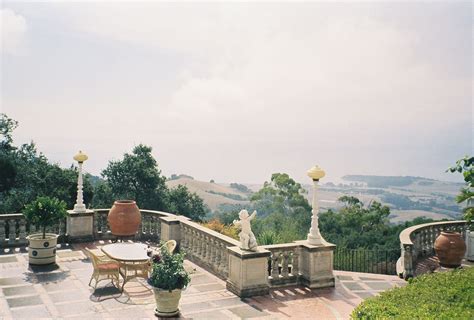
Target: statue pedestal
x,y
316,264
248,272
79,226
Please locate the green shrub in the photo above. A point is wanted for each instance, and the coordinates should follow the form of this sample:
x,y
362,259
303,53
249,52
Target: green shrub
x,y
446,295
45,212
168,271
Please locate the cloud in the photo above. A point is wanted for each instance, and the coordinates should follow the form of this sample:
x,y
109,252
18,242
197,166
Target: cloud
x,y
286,83
13,31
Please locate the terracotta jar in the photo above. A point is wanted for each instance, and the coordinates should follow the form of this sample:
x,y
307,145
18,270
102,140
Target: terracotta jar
x,y
124,218
450,249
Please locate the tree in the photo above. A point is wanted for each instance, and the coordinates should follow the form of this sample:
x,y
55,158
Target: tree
x,y
26,174
283,208
466,167
181,201
137,177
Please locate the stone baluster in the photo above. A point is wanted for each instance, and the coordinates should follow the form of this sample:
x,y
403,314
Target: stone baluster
x,y
22,234
190,240
295,263
195,246
217,258
184,237
198,244
275,262
153,227
12,231
190,234
225,269
32,228
205,255
62,227
95,224
212,252
221,248
158,228
192,243
284,263
203,247
2,232
139,234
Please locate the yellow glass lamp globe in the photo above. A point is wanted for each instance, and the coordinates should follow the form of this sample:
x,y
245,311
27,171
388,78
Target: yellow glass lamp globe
x,y
316,173
81,157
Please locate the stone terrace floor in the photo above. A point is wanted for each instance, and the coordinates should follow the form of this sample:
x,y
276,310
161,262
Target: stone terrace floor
x,y
62,292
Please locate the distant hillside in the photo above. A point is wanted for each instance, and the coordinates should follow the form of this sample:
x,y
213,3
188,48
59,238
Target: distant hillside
x,y
213,194
387,181
407,197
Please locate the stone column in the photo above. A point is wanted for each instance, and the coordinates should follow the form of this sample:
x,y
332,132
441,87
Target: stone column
x,y
80,226
248,272
316,264
170,229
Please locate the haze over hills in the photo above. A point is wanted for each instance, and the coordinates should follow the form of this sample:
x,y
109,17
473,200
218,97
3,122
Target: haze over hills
x,y
408,197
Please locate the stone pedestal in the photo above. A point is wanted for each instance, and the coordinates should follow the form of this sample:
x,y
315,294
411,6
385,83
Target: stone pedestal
x,y
248,272
170,229
316,264
79,226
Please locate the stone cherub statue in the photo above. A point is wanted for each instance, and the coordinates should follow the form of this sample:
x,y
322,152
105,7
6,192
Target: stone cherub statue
x,y
247,238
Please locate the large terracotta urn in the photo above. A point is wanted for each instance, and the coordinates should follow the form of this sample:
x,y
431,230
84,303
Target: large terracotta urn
x,y
450,248
124,218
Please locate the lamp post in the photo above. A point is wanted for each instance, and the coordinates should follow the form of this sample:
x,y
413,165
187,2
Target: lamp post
x,y
79,207
314,237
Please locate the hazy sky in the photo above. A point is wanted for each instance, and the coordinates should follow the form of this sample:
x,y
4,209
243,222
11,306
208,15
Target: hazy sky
x,y
237,91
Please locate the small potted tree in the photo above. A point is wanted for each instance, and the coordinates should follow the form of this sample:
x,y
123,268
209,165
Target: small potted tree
x,y
44,212
168,277
466,167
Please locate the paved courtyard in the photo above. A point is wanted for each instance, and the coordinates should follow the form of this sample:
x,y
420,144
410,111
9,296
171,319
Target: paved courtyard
x,y
62,292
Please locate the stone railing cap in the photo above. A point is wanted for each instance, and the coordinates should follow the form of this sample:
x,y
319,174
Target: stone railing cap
x,y
405,235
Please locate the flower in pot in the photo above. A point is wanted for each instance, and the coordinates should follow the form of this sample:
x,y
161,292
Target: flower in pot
x,y
44,212
168,277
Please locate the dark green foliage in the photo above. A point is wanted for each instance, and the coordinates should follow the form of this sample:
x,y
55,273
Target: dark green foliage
x,y
282,208
188,204
355,226
26,174
240,187
444,295
45,212
228,195
168,272
137,177
268,237
466,167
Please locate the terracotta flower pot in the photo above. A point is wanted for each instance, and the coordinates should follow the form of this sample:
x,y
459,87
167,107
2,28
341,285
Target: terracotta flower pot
x,y
450,248
124,218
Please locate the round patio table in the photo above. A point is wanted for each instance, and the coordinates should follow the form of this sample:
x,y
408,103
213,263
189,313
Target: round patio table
x,y
132,257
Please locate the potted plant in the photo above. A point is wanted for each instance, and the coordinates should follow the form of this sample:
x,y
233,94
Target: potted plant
x,y
43,212
168,277
466,167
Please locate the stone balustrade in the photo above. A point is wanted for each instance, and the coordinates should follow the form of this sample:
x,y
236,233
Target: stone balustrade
x,y
247,273
14,229
206,247
283,264
418,242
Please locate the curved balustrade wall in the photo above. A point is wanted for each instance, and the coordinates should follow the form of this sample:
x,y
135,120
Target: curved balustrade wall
x,y
418,242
